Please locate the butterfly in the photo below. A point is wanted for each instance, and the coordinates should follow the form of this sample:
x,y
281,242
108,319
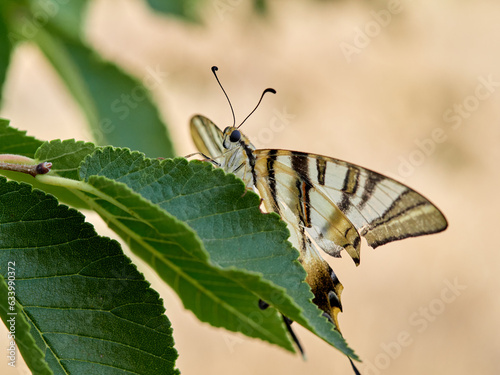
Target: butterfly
x,y
328,204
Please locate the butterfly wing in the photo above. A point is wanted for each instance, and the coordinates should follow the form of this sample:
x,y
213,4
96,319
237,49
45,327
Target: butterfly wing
x,y
328,203
380,208
314,221
207,137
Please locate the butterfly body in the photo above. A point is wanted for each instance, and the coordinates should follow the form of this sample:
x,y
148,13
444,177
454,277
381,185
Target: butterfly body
x,y
328,204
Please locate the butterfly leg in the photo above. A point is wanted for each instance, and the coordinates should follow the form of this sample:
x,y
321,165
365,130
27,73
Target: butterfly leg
x,y
207,158
355,369
288,322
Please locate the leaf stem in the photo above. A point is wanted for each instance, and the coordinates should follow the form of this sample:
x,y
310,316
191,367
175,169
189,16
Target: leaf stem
x,y
23,164
66,183
81,187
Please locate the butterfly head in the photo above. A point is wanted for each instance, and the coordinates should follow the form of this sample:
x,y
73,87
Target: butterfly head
x,y
233,138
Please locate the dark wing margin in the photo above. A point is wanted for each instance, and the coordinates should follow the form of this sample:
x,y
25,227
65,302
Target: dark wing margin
x,y
410,215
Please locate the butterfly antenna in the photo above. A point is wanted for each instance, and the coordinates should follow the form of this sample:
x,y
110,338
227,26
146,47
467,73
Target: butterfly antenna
x,y
214,69
264,93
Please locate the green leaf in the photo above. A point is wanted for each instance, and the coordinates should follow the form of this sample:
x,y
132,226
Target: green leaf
x,y
5,52
260,6
118,108
226,298
65,157
19,329
189,10
67,16
13,141
90,311
227,219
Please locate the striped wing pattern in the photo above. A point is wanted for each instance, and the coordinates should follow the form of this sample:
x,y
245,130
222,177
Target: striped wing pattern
x,y
207,137
382,209
327,203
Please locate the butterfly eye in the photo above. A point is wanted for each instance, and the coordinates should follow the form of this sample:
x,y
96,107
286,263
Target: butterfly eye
x,y
235,136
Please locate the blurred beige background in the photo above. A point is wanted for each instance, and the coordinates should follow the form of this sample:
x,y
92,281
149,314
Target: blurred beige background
x,y
412,91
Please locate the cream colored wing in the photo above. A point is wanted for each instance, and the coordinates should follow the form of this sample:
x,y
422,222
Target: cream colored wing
x,y
326,201
380,208
207,136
